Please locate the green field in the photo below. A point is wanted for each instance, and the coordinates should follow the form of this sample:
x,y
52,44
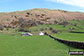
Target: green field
x,y
36,45
12,44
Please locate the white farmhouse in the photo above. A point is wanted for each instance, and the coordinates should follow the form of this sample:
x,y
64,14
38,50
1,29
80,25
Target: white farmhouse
x,y
41,33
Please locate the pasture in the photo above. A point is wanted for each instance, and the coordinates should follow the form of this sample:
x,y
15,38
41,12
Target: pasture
x,y
12,44
36,45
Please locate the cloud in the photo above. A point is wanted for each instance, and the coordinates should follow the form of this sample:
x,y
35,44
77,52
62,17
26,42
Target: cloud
x,y
79,3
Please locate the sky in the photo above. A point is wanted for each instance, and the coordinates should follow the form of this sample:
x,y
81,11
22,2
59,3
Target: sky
x,y
20,5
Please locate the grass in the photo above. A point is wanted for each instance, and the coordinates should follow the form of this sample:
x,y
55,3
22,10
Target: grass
x,y
35,45
60,28
70,36
16,45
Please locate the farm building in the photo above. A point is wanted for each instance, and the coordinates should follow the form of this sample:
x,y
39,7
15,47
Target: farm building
x,y
41,33
26,34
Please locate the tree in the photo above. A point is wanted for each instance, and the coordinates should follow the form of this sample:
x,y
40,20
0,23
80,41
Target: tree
x,y
1,27
50,28
54,31
64,23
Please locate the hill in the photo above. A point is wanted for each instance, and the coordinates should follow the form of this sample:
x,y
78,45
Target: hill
x,y
38,16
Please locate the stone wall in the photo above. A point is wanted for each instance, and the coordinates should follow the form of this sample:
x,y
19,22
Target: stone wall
x,y
79,45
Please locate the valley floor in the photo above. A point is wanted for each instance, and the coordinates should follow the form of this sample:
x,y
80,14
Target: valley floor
x,y
36,45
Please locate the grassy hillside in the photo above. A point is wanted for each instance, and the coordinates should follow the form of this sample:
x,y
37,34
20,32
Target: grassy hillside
x,y
70,36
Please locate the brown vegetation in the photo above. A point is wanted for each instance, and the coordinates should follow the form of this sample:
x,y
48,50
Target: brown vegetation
x,y
38,16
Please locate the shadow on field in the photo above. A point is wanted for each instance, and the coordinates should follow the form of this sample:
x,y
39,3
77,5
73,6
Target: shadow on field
x,y
75,32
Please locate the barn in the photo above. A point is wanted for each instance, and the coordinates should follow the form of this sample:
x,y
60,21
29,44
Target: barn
x,y
26,34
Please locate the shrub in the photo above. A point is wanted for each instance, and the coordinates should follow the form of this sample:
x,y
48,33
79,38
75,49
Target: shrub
x,y
43,14
54,31
29,13
75,24
9,26
41,29
40,23
55,22
64,23
1,27
23,30
50,28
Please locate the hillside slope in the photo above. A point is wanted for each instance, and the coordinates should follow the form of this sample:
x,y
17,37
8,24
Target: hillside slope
x,y
39,16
